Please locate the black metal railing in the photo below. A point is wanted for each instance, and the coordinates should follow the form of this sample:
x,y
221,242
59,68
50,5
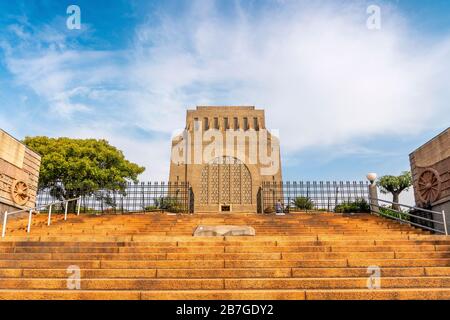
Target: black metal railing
x,y
311,195
425,219
133,197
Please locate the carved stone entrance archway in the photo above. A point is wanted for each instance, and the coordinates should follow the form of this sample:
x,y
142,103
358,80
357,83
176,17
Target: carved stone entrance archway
x,y
225,181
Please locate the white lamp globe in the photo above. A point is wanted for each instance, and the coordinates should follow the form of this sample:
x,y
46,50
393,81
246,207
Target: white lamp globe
x,y
371,177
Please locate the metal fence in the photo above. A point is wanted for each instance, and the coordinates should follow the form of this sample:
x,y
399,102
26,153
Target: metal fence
x,y
134,197
311,195
177,197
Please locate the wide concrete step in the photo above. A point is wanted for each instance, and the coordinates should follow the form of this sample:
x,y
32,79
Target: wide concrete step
x,y
226,256
346,294
218,263
222,249
379,294
21,294
152,256
399,262
225,272
336,283
336,263
229,284
212,241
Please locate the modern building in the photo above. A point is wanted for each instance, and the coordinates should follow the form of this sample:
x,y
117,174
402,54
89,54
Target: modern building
x,y
225,154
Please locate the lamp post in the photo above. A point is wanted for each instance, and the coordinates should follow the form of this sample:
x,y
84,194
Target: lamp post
x,y
371,177
373,192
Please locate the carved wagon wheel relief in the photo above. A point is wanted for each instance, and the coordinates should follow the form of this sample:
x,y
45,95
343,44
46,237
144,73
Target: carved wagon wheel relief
x,y
19,192
429,186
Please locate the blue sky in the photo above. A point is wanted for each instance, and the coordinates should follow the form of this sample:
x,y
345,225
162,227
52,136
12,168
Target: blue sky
x,y
346,100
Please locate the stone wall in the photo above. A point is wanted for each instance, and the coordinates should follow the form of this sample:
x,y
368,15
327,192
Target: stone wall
x,y
432,161
19,174
433,155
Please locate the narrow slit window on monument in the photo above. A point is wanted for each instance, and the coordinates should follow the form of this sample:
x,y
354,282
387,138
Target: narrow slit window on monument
x,y
236,123
255,123
225,123
245,123
196,124
216,123
205,120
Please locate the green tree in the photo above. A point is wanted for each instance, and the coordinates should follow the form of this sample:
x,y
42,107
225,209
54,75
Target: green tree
x,y
395,185
76,167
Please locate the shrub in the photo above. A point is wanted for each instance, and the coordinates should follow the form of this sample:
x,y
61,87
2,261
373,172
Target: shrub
x,y
357,206
168,204
303,203
388,211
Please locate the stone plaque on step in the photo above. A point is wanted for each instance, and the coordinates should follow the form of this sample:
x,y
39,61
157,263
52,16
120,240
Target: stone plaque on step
x,y
223,230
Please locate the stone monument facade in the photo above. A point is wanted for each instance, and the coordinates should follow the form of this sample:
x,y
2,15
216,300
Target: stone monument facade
x,y
430,167
225,153
19,174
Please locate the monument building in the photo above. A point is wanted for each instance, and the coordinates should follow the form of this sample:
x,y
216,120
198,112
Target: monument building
x,y
430,168
19,174
225,154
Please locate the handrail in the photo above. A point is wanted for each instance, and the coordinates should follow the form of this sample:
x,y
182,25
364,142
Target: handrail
x,y
405,205
37,208
373,202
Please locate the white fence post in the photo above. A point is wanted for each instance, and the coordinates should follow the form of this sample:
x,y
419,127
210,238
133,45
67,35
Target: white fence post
x,y
65,210
4,224
445,222
79,206
29,220
49,215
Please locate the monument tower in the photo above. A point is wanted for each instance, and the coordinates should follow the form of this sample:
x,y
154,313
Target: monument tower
x,y
225,154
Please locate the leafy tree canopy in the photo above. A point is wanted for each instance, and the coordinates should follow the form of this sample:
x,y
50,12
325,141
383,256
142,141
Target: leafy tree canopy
x,y
395,185
86,164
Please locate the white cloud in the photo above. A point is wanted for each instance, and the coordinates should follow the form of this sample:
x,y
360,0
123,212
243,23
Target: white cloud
x,y
57,75
323,78
149,153
319,71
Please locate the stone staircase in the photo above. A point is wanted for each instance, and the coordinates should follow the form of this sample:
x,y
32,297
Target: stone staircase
x,y
297,256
